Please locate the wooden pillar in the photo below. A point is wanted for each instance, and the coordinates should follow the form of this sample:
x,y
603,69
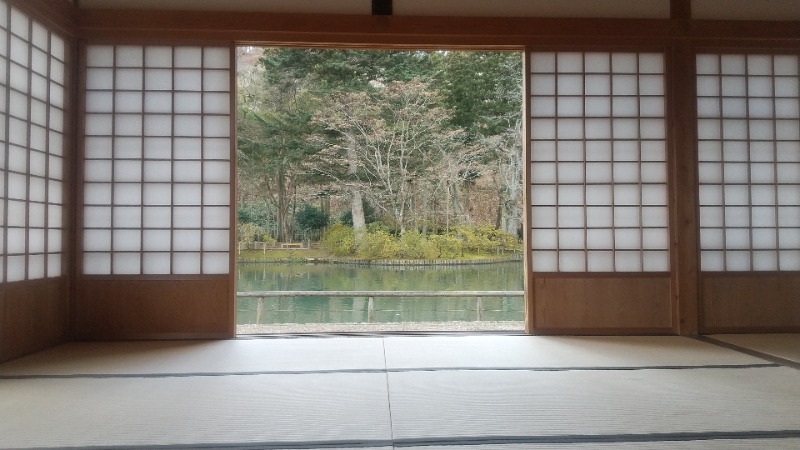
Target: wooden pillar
x,y
684,220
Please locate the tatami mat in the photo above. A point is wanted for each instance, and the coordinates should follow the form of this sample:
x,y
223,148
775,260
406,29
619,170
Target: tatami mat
x,y
782,345
556,352
187,357
423,392
228,410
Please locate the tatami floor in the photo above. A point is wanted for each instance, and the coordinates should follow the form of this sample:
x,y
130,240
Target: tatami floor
x,y
417,392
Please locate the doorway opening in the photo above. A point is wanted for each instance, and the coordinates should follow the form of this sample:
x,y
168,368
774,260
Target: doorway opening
x,y
379,190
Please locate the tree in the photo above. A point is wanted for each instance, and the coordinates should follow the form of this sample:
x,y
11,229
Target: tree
x,y
484,92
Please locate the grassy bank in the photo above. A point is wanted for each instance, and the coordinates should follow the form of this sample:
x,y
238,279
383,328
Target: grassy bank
x,y
303,255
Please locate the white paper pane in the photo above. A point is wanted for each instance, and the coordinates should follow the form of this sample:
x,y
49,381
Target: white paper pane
x,y
789,238
707,64
789,259
54,265
624,62
599,150
736,172
598,128
570,85
127,194
762,195
127,217
158,56
157,217
126,263
187,217
764,216
128,79
627,239
569,62
216,240
55,191
651,85
599,195
188,126
157,125
625,128
97,147
737,216
127,171
544,261
96,217
572,261
186,263
708,107
216,195
129,56
787,108
597,107
54,216
157,148
626,216
19,78
599,217
598,173
712,238
569,107
16,213
57,71
216,217
156,194
788,173
711,216
709,129
570,173
216,80
543,62
655,238
188,80
570,217
155,171
188,57
156,263
737,261
787,151
128,102
127,240
765,260
216,263
600,238
544,217
656,261
158,102
188,103
787,87
96,240
543,107
543,85
764,238
626,172
733,86
625,85
99,78
628,261
36,215
600,261
571,239
216,126
157,240
544,239
216,57
36,242
544,195
597,63
188,171
96,263
654,195
128,124
627,195
216,172
97,193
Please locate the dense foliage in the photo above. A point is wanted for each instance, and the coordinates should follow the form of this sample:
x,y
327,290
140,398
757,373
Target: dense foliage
x,y
428,143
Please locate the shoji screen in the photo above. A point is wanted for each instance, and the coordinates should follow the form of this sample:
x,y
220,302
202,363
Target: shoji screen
x,y
32,78
157,170
598,162
749,162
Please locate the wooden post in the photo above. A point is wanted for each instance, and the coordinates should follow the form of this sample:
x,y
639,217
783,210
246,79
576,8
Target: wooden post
x,y
371,310
479,308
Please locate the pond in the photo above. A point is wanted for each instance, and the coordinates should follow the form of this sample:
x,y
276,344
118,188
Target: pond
x,y
322,277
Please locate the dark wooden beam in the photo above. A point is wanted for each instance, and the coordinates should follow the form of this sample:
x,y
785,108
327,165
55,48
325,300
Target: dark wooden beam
x,y
381,7
680,9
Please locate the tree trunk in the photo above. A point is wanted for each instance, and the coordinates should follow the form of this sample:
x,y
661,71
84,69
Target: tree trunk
x,y
357,203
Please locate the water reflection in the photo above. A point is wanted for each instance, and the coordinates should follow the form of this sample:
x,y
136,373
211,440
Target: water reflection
x,y
322,277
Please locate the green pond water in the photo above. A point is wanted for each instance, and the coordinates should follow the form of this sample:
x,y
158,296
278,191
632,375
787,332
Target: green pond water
x,y
331,277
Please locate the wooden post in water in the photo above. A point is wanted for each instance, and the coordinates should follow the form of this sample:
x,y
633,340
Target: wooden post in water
x,y
479,307
259,309
371,310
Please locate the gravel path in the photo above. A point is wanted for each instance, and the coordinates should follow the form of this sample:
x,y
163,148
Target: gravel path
x,y
313,328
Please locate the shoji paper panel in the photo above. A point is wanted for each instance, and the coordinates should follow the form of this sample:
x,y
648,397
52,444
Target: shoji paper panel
x,y
156,189
598,162
749,162
32,92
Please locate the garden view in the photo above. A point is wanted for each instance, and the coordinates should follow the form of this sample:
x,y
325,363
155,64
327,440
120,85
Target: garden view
x,y
379,155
